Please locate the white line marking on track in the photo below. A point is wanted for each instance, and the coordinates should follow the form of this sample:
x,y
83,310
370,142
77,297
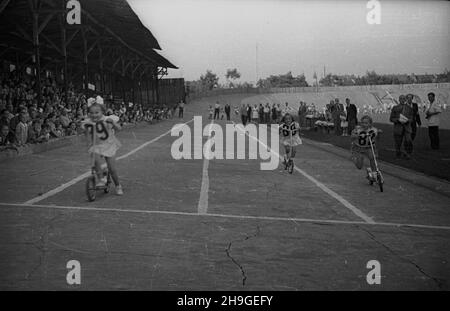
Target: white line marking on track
x,y
85,175
327,190
202,207
270,218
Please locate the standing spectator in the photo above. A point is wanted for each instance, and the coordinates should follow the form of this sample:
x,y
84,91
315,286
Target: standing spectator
x,y
243,112
274,114
432,115
286,109
255,114
217,110
181,109
342,115
227,111
249,113
279,112
261,113
352,116
211,112
416,116
222,113
336,115
401,116
302,111
267,113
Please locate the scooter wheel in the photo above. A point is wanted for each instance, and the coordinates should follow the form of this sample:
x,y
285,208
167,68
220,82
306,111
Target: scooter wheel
x,y
90,189
291,167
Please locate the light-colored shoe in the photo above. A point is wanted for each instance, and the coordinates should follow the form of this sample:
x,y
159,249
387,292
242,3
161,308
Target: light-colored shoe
x,y
369,173
119,190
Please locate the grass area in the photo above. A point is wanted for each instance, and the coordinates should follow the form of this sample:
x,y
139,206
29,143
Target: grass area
x,y
424,159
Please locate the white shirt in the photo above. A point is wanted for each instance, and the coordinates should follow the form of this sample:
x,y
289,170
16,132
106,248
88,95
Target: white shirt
x,y
434,119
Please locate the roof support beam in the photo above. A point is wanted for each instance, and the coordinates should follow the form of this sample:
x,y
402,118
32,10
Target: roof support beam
x,y
108,30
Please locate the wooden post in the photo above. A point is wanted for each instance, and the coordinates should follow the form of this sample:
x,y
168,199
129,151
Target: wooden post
x,y
64,54
37,58
146,87
102,74
157,85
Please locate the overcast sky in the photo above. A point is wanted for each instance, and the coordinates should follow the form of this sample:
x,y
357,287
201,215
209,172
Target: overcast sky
x,y
297,36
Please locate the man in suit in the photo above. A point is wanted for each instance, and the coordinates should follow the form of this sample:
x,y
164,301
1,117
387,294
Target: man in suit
x,y
416,116
302,110
352,117
337,112
243,112
402,116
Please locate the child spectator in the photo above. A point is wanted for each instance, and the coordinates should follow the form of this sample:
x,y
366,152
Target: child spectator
x,y
59,131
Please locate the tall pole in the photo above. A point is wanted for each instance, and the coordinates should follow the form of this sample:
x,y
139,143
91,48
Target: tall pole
x,y
256,65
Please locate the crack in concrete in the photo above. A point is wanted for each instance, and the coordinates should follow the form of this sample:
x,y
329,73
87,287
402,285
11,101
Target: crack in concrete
x,y
228,251
40,244
438,282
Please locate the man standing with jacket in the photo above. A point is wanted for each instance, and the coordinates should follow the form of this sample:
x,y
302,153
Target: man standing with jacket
x,y
402,116
227,111
416,116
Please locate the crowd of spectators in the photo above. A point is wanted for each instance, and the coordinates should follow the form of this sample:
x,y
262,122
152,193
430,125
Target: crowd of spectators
x,y
23,120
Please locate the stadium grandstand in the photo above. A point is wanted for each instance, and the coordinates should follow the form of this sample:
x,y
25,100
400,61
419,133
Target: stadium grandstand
x,y
100,55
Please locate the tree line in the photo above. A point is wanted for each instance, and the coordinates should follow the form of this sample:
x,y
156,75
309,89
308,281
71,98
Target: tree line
x,y
372,78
